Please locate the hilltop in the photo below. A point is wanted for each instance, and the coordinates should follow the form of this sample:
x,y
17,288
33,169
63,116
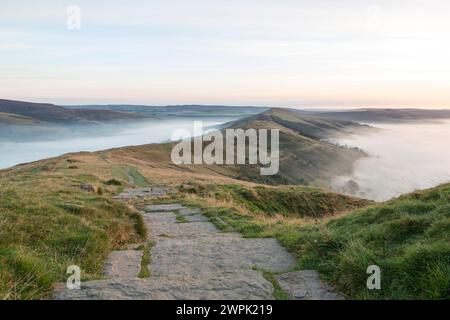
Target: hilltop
x,y
305,155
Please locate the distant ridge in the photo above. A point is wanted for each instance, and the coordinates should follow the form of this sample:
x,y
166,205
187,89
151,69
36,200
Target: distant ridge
x,y
182,110
46,112
305,156
381,115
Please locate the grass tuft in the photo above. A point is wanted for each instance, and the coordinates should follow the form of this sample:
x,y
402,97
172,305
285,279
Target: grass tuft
x,y
146,259
180,218
278,293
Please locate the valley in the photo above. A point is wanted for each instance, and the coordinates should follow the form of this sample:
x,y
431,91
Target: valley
x,y
224,150
85,208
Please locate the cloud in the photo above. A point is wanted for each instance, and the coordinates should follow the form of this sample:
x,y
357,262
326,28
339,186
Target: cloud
x,y
14,46
302,50
403,158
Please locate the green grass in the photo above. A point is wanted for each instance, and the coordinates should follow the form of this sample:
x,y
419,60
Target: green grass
x,y
278,293
113,182
409,238
180,218
48,223
146,259
129,174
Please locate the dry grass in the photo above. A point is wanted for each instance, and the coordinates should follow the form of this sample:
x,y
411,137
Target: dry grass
x,y
242,210
48,222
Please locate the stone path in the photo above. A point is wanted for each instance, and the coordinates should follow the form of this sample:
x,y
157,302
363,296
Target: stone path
x,y
306,285
194,260
130,194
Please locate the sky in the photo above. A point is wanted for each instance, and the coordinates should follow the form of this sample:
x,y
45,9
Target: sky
x,y
296,53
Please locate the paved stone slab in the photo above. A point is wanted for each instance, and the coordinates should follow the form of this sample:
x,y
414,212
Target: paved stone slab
x,y
123,264
193,215
128,194
306,285
164,207
245,284
165,223
196,218
189,211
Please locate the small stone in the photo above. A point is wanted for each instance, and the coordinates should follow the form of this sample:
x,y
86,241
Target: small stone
x,y
87,187
299,294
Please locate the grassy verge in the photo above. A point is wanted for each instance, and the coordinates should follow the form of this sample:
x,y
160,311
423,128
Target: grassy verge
x,y
53,216
409,238
146,259
278,293
291,201
129,174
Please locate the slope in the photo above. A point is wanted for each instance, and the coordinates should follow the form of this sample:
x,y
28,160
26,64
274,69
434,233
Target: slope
x,y
305,156
59,212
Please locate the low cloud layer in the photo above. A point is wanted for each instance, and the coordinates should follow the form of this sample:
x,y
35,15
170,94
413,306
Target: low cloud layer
x,y
403,158
20,146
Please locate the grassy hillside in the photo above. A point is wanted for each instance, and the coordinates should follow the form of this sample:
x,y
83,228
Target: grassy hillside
x,y
14,119
57,213
409,238
305,158
310,126
288,201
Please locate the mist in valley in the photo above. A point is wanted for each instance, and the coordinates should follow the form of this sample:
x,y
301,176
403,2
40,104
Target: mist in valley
x,y
402,158
23,144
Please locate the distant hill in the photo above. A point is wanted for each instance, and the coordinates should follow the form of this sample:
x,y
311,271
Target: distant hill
x,y
19,112
180,110
15,119
26,113
381,115
305,157
312,126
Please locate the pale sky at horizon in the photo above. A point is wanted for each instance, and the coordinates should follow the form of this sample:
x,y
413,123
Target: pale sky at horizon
x,y
323,53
